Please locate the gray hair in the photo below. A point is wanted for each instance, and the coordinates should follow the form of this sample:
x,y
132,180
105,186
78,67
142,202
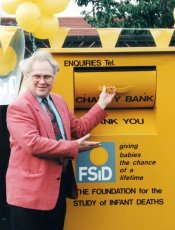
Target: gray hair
x,y
41,55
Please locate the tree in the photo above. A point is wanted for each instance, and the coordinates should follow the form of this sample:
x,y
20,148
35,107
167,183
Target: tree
x,y
129,13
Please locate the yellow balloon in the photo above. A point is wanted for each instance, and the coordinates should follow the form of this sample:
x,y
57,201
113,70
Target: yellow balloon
x,y
28,16
10,6
52,6
8,61
47,28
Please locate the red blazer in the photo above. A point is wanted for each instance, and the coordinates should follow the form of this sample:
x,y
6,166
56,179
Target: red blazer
x,y
33,174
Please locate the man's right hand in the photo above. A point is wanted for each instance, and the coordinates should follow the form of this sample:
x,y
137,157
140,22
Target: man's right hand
x,y
84,145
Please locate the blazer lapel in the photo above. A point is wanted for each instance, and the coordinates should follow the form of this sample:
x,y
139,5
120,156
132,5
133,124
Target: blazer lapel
x,y
43,115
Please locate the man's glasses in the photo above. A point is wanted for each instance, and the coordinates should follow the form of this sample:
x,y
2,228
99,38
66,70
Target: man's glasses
x,y
46,78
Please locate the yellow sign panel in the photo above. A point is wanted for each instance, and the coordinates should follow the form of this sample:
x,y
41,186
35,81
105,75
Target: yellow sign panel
x,y
136,87
127,183
11,52
6,67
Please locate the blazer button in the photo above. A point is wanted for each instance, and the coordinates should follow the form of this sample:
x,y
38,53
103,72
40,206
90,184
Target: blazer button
x,y
58,178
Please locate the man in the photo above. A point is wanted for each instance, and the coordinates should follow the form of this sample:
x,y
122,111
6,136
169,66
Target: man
x,y
40,173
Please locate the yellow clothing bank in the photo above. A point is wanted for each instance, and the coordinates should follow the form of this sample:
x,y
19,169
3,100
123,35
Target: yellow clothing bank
x,y
129,182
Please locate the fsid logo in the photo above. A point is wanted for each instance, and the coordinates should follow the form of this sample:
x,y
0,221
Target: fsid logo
x,y
97,165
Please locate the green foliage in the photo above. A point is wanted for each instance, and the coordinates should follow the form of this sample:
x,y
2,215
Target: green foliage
x,y
126,14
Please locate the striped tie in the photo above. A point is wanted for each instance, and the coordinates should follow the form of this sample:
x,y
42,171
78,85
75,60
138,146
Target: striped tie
x,y
53,119
56,129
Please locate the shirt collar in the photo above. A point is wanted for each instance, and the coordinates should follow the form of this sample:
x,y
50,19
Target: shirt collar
x,y
39,99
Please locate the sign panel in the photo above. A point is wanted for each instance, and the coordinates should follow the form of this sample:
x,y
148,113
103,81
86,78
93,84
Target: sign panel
x,y
97,165
127,183
135,86
12,48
